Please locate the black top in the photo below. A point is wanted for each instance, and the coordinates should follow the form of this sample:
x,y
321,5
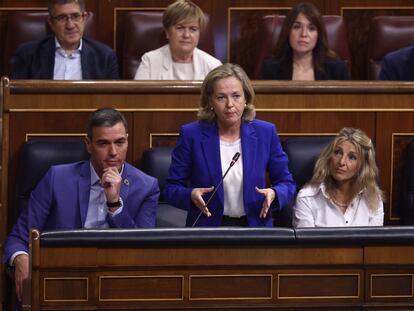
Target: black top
x,y
333,69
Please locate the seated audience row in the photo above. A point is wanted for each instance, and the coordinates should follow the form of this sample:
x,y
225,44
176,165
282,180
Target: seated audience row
x,y
301,53
69,56
217,174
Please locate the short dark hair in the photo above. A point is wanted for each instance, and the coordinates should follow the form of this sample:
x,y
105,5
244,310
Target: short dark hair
x,y
105,117
51,4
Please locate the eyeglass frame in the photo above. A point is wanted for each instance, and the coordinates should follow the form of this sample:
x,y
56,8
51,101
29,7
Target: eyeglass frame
x,y
64,18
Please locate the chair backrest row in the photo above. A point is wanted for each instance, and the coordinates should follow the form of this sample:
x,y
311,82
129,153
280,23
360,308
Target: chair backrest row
x,y
143,32
302,153
387,34
37,156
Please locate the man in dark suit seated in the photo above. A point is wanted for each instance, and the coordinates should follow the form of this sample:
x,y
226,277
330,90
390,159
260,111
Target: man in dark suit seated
x,y
66,55
398,65
103,192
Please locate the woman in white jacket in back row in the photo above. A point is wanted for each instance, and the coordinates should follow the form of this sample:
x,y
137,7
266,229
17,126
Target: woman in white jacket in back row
x,y
180,59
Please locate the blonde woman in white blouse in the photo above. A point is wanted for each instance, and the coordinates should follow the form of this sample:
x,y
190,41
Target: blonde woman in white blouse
x,y
343,190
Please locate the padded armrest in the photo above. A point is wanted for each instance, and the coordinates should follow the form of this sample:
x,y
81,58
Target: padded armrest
x,y
392,235
169,237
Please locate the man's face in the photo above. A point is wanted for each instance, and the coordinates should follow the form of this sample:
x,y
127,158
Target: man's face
x,y
108,147
68,23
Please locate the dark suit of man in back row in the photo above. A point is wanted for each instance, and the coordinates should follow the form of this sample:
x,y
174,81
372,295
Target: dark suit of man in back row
x,y
66,55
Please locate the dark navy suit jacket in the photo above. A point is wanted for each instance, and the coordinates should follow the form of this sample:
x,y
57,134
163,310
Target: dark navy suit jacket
x,y
36,60
333,69
196,163
398,65
61,199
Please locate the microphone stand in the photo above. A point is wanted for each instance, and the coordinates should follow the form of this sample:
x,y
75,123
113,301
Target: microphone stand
x,y
233,161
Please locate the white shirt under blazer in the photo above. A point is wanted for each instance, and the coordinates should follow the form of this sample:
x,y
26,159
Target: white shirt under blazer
x,y
158,65
313,208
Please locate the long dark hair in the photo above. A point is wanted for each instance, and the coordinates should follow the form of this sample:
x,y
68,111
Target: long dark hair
x,y
284,52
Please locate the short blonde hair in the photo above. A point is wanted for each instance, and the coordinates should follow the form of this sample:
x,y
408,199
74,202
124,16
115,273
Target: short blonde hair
x,y
182,10
207,90
367,176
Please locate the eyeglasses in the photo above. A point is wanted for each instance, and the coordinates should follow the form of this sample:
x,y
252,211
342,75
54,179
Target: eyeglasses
x,y
63,18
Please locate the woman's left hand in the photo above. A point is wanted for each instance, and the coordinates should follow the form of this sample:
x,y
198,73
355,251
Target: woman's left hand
x,y
269,195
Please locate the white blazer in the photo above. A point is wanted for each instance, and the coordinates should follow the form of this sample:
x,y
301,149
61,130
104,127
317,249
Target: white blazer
x,y
157,64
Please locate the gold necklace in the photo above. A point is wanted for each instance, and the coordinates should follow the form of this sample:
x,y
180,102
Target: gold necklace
x,y
341,205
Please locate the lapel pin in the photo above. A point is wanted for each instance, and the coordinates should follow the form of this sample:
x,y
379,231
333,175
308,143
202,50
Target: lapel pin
x,y
126,182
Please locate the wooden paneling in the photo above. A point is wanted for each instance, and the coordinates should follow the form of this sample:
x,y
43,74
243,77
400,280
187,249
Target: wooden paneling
x,y
218,276
156,110
140,288
230,286
391,286
330,285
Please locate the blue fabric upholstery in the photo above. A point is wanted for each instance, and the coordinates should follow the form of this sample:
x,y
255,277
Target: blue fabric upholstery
x,y
156,162
35,159
302,153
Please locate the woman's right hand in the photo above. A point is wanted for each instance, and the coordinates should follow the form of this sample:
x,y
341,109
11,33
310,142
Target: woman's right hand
x,y
197,199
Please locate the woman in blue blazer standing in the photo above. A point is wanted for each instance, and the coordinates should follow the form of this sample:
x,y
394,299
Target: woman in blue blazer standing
x,y
207,147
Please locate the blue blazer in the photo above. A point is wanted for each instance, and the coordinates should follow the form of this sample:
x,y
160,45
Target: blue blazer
x,y
61,199
196,163
36,60
398,65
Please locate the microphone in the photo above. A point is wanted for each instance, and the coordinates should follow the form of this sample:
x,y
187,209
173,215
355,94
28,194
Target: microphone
x,y
233,161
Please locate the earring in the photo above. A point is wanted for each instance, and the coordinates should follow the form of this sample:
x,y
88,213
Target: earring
x,y
211,108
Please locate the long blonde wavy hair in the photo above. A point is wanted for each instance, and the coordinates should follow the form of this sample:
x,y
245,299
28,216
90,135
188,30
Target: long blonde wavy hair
x,y
367,175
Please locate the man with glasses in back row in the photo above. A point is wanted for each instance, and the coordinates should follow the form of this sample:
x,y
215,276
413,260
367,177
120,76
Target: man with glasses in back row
x,y
66,55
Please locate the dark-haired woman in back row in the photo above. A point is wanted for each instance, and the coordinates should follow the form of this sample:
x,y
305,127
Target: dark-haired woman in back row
x,y
302,51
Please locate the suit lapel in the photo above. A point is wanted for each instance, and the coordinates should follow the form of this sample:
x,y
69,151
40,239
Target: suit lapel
x,y
198,66
167,63
210,145
48,58
249,148
125,183
87,62
84,186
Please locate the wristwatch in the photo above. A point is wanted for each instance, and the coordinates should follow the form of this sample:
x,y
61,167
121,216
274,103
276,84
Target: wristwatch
x,y
114,204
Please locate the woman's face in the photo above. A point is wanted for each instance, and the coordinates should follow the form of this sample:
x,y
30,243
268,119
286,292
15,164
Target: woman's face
x,y
303,35
183,37
344,162
228,101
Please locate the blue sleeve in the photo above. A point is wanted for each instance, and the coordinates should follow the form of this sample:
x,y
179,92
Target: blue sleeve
x,y
280,177
389,69
176,191
140,208
33,217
